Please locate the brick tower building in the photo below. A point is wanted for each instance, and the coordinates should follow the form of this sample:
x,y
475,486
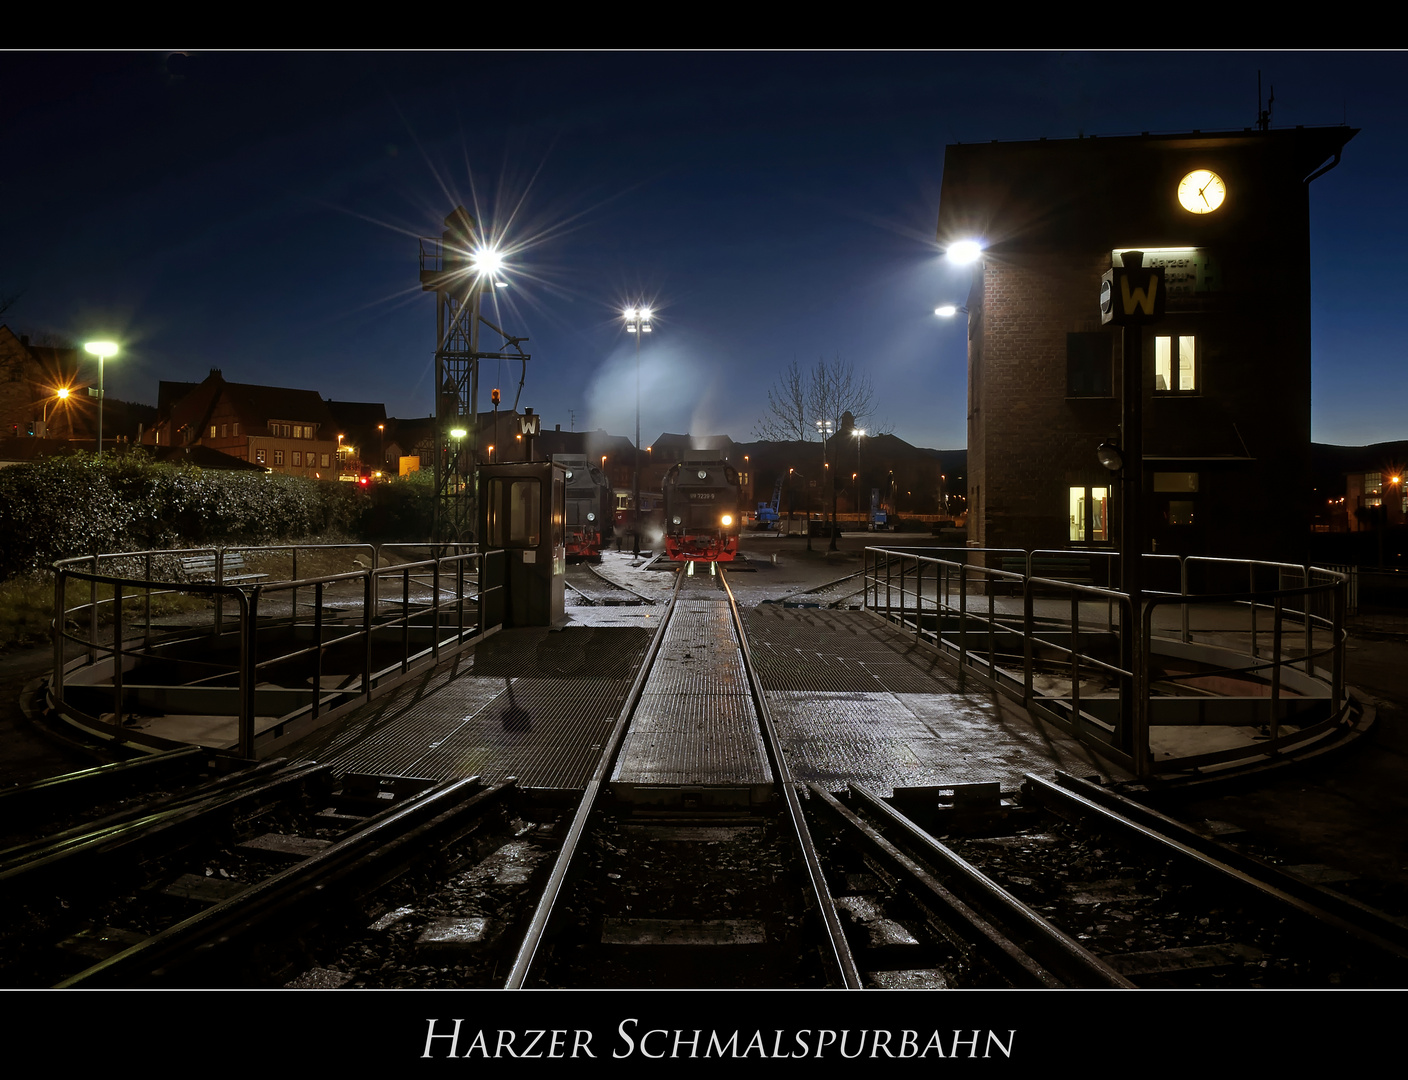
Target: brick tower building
x,y
1226,372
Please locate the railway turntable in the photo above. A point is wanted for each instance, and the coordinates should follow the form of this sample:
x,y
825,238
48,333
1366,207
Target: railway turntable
x,y
694,738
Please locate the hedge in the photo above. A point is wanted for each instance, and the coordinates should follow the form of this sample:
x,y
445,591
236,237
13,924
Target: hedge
x,y
78,504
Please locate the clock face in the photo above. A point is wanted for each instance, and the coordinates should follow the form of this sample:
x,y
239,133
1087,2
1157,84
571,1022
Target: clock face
x,y
1201,191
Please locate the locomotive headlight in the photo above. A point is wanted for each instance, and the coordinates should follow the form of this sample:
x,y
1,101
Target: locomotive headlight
x,y
703,474
591,516
727,520
676,519
569,474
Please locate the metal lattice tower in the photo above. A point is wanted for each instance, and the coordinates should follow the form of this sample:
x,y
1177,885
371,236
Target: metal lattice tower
x,y
450,268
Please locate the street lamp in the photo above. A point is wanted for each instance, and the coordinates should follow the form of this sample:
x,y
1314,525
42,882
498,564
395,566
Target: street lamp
x,y
638,323
62,395
825,430
102,350
859,434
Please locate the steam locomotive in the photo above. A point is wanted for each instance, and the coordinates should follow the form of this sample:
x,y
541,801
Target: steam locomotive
x,y
703,511
590,508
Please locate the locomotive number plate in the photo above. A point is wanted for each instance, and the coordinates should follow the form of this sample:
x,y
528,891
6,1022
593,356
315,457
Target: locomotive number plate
x,y
700,495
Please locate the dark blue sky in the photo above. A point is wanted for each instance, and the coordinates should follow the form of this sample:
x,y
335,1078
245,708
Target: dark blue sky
x,y
260,212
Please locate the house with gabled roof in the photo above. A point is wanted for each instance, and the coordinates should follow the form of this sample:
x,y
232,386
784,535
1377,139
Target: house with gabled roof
x,y
285,430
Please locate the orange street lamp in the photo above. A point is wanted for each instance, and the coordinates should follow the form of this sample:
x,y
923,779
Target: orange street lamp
x,y
102,350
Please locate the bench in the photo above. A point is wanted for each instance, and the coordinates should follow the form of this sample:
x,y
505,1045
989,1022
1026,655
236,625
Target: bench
x,y
1076,570
202,568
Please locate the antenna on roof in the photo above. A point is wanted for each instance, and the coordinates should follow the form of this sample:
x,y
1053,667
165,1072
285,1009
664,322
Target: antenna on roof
x,y
1263,118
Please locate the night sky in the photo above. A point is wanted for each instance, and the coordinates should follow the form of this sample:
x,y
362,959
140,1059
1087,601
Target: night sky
x,y
261,213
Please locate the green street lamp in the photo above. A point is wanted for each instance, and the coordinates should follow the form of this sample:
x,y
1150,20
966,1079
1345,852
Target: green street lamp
x,y
102,350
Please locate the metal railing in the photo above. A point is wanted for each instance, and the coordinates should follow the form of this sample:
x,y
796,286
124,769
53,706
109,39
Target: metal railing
x,y
302,650
1056,642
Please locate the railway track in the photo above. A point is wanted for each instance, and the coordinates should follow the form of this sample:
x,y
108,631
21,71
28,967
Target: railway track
x,y
590,586
684,897
272,876
1075,873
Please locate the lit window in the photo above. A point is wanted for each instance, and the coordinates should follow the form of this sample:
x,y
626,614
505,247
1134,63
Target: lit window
x,y
324,462
1090,514
212,431
1174,372
259,456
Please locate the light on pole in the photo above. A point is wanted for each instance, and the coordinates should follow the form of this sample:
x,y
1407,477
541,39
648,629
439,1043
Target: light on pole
x,y
638,323
859,434
102,350
61,395
825,429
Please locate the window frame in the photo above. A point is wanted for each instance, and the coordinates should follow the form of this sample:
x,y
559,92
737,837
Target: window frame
x,y
1176,370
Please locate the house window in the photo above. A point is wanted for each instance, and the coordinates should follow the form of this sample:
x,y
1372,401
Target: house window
x,y
1088,365
1090,514
297,458
324,461
212,431
235,430
224,430
1175,369
259,456
278,457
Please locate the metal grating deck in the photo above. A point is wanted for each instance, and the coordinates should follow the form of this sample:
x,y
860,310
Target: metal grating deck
x,y
695,724
855,699
534,703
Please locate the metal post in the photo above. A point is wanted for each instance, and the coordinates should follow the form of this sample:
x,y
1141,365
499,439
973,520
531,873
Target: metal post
x,y
1132,509
1275,725
249,665
57,632
635,456
117,661
1251,588
1309,644
435,608
317,646
1075,663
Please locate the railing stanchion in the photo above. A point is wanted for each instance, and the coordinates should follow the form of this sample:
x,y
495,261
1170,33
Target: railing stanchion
x,y
1075,663
249,665
117,661
1276,613
317,645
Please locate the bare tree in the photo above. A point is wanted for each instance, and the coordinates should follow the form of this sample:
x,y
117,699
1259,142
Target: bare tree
x,y
836,389
786,420
798,399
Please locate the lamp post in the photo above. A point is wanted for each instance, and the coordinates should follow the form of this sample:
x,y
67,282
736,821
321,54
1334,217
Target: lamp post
x,y
638,323
825,430
102,350
859,434
61,394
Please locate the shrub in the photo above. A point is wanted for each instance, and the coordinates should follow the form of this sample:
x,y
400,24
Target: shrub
x,y
78,504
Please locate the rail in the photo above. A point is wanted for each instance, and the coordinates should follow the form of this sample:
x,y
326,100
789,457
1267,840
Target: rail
x,y
303,645
1267,652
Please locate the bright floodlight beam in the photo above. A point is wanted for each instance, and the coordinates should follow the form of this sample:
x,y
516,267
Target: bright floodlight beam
x,y
102,350
965,251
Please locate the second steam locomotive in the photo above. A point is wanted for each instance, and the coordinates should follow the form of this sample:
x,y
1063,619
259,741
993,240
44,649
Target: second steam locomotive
x,y
590,508
702,511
